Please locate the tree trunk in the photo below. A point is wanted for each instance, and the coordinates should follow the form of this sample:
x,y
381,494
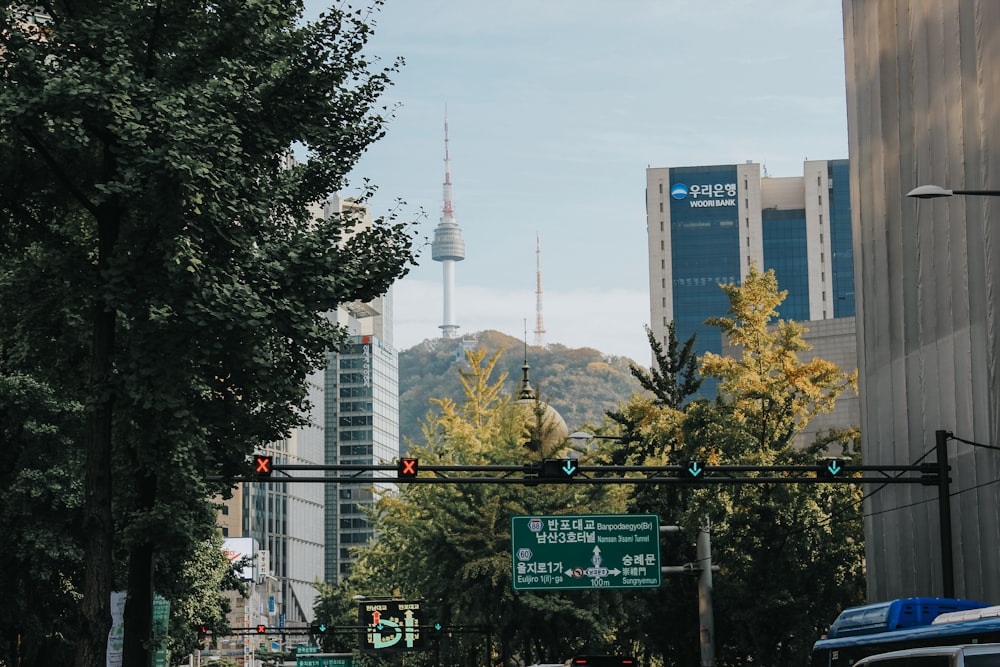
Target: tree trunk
x,y
138,649
98,521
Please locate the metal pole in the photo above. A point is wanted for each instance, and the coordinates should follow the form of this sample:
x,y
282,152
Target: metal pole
x,y
944,513
706,622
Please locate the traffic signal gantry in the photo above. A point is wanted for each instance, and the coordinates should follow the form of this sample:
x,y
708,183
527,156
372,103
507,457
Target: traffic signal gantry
x,y
569,471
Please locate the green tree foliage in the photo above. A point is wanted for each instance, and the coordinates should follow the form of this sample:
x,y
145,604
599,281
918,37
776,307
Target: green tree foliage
x,y
449,544
197,599
160,266
42,496
669,383
791,556
336,608
578,382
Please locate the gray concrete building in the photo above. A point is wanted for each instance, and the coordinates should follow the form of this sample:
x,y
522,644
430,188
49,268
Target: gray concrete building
x,y
923,103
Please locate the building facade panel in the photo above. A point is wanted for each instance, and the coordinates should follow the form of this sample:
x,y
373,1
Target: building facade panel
x,y
923,99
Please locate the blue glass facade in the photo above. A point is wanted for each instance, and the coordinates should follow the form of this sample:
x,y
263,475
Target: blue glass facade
x,y
785,251
841,238
705,250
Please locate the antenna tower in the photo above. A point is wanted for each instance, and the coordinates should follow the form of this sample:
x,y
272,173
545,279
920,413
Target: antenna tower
x,y
539,327
448,246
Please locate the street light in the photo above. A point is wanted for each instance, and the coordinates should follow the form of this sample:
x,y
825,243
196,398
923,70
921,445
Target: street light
x,y
935,191
941,437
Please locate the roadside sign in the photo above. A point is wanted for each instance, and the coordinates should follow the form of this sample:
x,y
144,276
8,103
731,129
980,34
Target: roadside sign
x,y
567,552
390,625
312,658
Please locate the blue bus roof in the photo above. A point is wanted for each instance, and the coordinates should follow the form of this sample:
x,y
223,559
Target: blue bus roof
x,y
895,614
971,628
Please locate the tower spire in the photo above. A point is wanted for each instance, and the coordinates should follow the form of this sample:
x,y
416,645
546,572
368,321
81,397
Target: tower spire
x,y
539,326
448,246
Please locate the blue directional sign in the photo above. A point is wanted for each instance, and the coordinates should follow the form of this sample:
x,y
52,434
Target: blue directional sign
x,y
694,469
567,552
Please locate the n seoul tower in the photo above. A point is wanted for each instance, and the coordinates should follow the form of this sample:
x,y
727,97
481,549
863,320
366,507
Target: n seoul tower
x,y
448,246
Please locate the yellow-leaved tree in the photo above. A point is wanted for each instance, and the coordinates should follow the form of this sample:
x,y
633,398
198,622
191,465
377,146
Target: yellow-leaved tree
x,y
790,554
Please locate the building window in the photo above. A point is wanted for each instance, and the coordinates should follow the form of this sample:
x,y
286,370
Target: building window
x,y
663,264
661,225
663,245
661,207
661,192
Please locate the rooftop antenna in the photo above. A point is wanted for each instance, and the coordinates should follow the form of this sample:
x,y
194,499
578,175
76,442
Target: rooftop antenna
x,y
539,327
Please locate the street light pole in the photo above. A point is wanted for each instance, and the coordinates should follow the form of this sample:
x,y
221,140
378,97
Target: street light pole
x,y
935,191
941,437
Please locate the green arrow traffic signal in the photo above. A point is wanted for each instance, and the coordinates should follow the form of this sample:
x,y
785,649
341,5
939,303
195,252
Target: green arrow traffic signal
x,y
694,469
558,468
831,467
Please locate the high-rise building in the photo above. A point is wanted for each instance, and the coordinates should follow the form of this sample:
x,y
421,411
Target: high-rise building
x,y
923,107
362,414
303,532
706,224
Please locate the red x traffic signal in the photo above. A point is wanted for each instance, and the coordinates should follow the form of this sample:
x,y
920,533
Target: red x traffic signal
x,y
262,465
261,629
408,467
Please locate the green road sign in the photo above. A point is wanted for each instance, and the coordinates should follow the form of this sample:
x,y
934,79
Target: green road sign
x,y
585,551
315,659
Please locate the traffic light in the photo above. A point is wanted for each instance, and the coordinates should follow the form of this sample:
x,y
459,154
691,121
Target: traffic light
x,y
202,630
830,468
318,628
261,629
693,470
437,629
558,468
407,467
262,465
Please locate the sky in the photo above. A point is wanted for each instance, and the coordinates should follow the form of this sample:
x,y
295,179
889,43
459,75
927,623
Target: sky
x,y
555,109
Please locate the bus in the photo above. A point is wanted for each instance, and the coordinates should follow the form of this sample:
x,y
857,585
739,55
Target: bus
x,y
965,655
904,624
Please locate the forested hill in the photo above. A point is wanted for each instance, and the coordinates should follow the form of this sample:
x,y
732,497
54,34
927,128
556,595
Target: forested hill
x,y
582,384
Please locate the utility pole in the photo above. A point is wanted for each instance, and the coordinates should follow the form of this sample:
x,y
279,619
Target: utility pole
x,y
944,513
706,622
703,568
